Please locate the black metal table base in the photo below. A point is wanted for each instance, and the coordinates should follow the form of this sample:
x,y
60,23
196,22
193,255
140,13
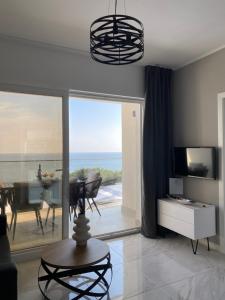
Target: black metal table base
x,y
195,247
58,274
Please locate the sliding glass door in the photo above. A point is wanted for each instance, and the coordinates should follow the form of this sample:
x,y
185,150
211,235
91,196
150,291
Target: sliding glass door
x,y
31,168
105,150
94,139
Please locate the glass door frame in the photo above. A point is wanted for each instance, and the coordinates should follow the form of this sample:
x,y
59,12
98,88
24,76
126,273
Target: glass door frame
x,y
65,95
119,99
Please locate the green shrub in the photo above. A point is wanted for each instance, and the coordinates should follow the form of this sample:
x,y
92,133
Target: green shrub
x,y
108,176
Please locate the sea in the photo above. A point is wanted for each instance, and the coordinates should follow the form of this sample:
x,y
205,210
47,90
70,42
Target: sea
x,y
106,160
16,167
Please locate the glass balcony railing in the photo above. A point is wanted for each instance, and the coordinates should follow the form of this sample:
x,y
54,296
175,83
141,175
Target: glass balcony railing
x,y
28,231
26,170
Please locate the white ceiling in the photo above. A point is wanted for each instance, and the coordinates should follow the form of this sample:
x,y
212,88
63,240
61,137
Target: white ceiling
x,y
176,31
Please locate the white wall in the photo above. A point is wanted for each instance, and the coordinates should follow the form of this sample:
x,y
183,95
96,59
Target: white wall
x,y
36,65
131,154
195,116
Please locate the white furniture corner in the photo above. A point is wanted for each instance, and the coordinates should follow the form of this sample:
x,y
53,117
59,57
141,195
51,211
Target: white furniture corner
x,y
194,220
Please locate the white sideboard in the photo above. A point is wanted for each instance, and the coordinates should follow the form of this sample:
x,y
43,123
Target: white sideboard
x,y
195,220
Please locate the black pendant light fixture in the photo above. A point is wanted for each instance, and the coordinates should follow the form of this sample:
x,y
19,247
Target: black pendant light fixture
x,y
117,39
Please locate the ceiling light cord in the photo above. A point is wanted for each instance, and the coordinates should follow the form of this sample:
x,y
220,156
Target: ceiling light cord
x,y
125,9
109,6
116,3
115,6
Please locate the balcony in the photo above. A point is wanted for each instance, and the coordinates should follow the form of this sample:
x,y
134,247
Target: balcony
x,y
115,216
99,125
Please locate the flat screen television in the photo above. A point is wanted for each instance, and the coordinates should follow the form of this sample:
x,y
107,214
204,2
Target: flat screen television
x,y
195,162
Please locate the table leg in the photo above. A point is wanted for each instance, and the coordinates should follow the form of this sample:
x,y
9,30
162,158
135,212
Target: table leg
x,y
58,275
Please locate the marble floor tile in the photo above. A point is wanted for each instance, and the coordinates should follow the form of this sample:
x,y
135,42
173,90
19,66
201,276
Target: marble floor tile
x,y
134,248
33,294
145,269
215,258
116,259
129,281
27,275
207,285
161,272
156,294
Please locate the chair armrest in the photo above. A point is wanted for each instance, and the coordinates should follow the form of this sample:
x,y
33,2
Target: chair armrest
x,y
8,280
3,225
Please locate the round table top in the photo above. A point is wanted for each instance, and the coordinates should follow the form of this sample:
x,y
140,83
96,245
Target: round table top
x,y
65,254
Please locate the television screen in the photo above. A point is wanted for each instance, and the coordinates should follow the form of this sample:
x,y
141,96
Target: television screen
x,y
195,162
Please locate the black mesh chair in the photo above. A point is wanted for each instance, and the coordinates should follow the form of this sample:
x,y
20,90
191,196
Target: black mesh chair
x,y
74,196
5,195
2,205
55,200
91,191
26,197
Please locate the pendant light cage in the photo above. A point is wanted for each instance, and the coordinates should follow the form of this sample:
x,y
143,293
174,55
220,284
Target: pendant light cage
x,y
117,39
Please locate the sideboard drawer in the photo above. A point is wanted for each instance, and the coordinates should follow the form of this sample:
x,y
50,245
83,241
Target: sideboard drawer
x,y
176,211
176,225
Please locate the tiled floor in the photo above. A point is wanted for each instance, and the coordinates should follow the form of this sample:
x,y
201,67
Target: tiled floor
x,y
113,218
28,234
145,269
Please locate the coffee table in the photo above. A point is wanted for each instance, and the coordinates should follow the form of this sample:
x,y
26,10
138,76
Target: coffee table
x,y
63,260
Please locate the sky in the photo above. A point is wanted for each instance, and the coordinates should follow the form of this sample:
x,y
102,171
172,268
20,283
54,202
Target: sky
x,y
33,124
95,126
30,123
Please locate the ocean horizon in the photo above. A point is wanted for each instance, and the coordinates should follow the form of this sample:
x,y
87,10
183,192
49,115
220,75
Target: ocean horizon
x,y
23,167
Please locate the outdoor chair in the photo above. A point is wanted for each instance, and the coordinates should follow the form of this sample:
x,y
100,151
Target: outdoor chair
x,y
26,197
6,193
92,186
3,200
54,201
74,196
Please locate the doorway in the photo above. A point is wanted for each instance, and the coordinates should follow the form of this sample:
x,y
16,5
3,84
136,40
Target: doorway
x,y
105,140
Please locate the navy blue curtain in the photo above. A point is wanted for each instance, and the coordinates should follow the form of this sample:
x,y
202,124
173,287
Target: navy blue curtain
x,y
157,144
